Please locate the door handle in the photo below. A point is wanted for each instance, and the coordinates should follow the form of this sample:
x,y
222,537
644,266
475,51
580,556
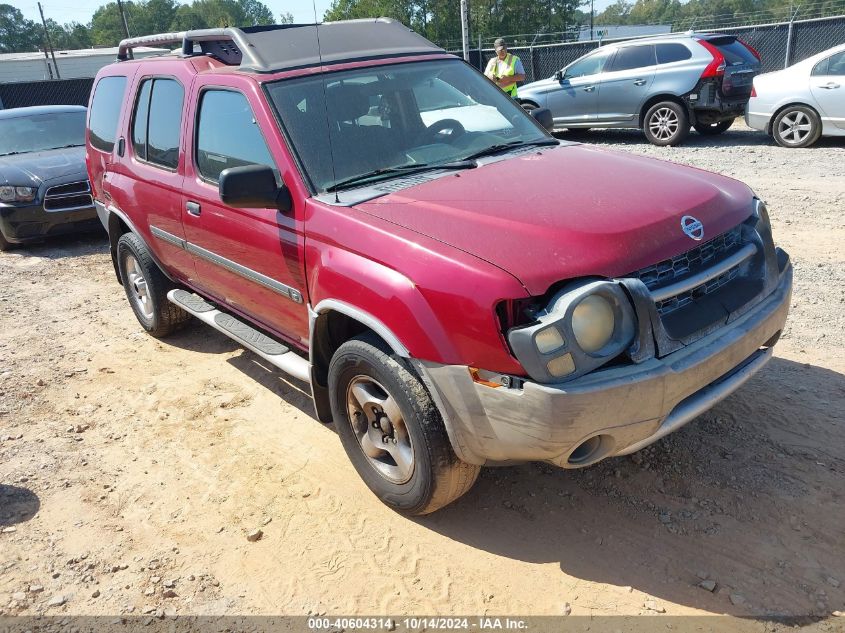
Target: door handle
x,y
193,208
589,88
830,86
640,82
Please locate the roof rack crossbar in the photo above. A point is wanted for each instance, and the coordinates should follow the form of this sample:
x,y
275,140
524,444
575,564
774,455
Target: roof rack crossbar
x,y
187,39
147,40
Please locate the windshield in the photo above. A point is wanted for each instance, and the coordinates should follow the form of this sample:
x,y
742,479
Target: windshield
x,y
39,132
392,117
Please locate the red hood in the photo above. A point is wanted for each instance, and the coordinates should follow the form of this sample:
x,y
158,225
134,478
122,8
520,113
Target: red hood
x,y
572,211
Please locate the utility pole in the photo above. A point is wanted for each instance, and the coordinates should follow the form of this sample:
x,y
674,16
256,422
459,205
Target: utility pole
x,y
465,29
125,25
592,12
49,43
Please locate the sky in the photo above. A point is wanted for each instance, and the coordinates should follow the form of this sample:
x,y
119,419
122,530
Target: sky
x,y
63,11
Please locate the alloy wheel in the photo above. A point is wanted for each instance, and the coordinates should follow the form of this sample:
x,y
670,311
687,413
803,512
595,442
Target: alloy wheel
x,y
795,127
380,428
139,290
664,124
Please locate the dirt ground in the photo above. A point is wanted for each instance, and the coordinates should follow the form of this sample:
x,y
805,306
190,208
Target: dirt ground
x,y
131,469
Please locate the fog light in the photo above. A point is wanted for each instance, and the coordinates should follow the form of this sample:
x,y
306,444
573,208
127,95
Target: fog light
x,y
561,366
548,340
593,323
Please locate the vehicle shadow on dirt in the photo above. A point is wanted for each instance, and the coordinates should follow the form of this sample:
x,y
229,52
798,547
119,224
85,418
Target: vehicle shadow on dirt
x,y
17,505
734,137
63,246
199,337
736,497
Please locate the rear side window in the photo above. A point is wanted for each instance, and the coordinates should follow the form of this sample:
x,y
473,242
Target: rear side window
x,y
157,122
228,134
632,57
833,65
105,112
674,52
735,52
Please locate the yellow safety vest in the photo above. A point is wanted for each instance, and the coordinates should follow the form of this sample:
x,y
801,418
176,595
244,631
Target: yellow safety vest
x,y
510,60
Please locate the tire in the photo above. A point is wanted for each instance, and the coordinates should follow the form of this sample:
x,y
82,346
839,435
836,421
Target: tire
x,y
712,129
147,287
796,126
4,245
528,106
380,406
666,124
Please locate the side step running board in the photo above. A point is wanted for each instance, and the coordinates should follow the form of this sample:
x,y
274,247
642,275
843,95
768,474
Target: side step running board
x,y
254,340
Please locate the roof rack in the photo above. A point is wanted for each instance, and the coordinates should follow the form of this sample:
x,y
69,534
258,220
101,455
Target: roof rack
x,y
286,46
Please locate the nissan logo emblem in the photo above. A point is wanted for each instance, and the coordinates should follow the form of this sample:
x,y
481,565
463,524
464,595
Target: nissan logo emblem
x,y
692,227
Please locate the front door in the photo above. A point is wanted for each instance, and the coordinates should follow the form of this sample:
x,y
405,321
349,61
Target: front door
x,y
827,84
247,259
575,101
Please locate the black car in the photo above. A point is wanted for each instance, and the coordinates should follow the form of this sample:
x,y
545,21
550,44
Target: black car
x,y
44,188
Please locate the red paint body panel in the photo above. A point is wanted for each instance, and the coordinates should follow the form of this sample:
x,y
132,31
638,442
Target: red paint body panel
x,y
569,212
430,262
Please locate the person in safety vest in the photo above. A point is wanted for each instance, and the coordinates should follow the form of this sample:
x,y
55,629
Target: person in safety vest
x,y
505,69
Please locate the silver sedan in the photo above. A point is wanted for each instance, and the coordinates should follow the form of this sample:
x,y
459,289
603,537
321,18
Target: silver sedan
x,y
799,104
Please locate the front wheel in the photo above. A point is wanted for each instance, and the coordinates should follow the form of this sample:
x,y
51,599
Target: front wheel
x,y
712,129
392,431
146,288
666,123
797,126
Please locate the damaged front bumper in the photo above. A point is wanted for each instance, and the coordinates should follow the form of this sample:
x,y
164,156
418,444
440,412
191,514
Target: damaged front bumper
x,y
612,411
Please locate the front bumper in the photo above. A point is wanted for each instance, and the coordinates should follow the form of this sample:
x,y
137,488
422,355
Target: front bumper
x,y
21,224
613,411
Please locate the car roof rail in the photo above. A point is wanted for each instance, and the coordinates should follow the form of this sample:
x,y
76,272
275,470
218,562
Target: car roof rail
x,y
284,46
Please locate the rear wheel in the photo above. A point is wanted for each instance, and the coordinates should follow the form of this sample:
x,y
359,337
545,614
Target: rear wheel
x,y
4,245
712,129
797,126
147,287
666,123
392,431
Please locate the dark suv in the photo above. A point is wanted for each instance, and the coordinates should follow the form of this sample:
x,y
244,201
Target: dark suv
x,y
662,85
458,288
44,186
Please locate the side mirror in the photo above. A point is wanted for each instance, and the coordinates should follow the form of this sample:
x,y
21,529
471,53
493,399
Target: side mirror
x,y
253,187
559,75
543,116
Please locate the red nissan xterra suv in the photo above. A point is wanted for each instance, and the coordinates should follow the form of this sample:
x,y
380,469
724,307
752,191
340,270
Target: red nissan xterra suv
x,y
374,217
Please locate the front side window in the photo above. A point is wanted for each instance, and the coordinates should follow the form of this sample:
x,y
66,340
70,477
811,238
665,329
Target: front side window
x,y
375,121
590,65
228,134
633,57
157,122
105,112
42,132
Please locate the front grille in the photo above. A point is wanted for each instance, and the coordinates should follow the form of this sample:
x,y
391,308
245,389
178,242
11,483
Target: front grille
x,y
693,261
73,195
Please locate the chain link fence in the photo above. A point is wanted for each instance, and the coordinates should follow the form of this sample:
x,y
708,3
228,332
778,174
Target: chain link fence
x,y
55,92
779,45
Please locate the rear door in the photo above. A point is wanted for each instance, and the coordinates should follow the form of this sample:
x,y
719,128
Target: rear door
x,y
827,83
741,66
576,100
248,259
625,84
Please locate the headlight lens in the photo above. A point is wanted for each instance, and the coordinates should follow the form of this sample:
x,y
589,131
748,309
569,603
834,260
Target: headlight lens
x,y
561,366
593,323
549,340
9,193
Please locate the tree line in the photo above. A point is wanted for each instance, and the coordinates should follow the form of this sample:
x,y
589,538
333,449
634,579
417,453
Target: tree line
x,y
524,21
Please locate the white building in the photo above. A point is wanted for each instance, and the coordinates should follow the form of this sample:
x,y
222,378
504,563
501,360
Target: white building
x,y
17,67
606,32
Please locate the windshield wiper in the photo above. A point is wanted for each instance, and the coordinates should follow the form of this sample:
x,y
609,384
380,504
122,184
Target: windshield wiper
x,y
401,170
501,147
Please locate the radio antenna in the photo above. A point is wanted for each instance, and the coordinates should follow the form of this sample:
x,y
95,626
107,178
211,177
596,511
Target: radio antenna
x,y
325,98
